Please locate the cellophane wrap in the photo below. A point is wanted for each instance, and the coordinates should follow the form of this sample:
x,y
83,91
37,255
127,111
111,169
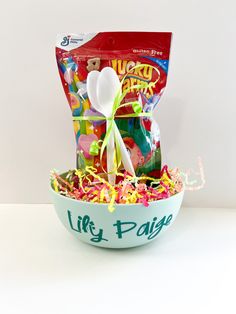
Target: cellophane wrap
x,y
77,55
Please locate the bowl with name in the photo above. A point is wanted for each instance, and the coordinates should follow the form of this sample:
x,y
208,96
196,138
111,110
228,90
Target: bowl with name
x,y
129,225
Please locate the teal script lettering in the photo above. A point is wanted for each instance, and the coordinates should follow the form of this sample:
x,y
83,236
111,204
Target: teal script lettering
x,y
150,229
86,225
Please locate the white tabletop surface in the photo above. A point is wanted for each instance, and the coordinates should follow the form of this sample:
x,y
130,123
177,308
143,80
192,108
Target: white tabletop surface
x,y
189,269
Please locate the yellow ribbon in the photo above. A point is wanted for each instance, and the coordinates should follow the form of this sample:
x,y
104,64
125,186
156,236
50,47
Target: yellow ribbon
x,y
117,105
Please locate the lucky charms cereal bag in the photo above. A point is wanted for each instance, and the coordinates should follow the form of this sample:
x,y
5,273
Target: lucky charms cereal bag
x,y
113,81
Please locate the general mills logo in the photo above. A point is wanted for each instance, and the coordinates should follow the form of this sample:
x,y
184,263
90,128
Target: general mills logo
x,y
65,41
70,40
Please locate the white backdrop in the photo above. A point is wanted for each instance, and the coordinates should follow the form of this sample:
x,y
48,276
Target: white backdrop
x,y
196,115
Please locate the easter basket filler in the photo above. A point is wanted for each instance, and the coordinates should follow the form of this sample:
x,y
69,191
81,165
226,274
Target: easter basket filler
x,y
119,195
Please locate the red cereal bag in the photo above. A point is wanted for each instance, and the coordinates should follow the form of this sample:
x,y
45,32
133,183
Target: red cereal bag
x,y
140,61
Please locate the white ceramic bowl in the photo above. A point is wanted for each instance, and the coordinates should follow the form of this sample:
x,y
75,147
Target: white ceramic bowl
x,y
128,226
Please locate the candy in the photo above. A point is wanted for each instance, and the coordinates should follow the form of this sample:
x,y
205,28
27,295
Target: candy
x,y
85,142
68,76
87,185
75,103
